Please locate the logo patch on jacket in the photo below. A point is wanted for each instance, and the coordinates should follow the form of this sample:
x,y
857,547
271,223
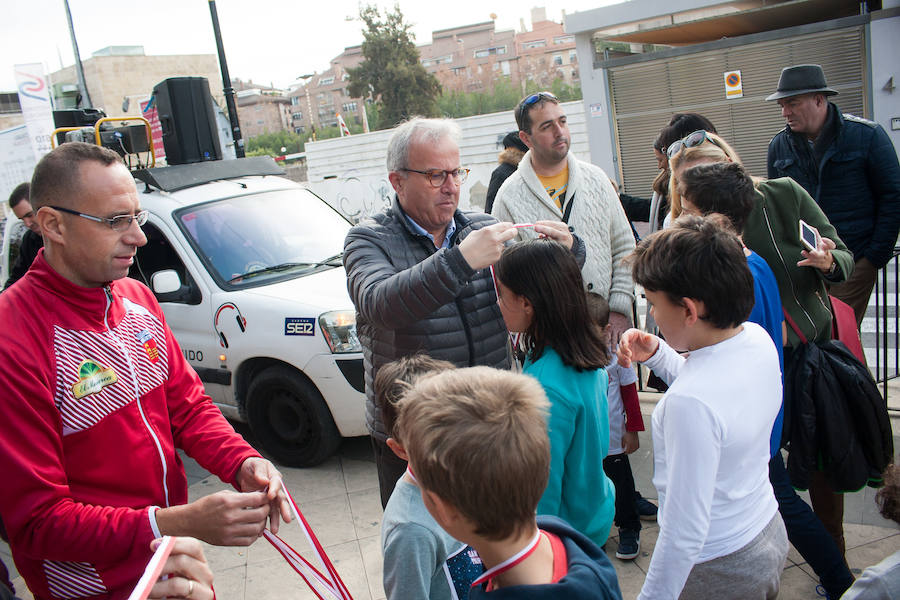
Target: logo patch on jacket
x,y
92,377
147,340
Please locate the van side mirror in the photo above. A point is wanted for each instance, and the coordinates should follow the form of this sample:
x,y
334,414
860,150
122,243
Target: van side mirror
x,y
165,282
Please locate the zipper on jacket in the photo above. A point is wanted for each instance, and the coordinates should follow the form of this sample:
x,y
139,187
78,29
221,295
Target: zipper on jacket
x,y
467,329
784,264
137,395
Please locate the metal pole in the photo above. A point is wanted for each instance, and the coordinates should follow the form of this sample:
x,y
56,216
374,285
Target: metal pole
x,y
79,69
226,84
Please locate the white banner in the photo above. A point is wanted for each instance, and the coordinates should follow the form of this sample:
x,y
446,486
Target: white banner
x,y
34,97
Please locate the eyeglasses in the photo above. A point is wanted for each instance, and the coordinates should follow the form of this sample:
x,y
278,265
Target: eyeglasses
x,y
117,223
534,98
689,141
437,177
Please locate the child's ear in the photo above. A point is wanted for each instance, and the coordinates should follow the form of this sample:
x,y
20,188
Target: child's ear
x,y
526,305
692,310
445,514
394,445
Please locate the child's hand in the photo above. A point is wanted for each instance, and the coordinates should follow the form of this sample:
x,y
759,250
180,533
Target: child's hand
x,y
630,442
636,345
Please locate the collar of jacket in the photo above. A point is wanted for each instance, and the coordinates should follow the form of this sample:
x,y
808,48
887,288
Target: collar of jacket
x,y
89,303
511,156
462,221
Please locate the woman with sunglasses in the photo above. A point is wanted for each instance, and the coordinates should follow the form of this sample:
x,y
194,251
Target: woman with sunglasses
x,y
772,231
680,125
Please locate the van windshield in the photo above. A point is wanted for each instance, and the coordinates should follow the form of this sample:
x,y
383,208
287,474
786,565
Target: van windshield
x,y
249,240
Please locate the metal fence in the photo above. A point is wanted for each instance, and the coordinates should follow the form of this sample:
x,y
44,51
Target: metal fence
x,y
886,336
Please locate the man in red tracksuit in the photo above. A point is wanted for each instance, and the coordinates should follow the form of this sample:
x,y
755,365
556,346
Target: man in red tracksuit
x,y
95,397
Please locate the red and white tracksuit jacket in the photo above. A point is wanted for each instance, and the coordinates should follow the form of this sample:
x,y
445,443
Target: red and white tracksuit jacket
x,y
95,396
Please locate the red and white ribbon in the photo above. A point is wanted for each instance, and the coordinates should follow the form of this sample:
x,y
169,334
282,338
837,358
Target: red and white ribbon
x,y
510,562
327,581
153,569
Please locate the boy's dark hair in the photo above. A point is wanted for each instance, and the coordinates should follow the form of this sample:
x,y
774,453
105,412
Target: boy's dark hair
x,y
523,109
547,274
598,309
698,258
720,187
19,193
395,378
888,497
57,177
477,437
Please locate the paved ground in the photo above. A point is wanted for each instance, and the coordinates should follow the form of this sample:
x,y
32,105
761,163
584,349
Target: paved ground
x,y
341,502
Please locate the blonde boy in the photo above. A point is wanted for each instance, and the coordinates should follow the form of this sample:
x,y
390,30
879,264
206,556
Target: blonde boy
x,y
477,443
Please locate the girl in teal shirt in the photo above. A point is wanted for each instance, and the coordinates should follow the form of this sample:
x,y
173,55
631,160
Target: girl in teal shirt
x,y
541,295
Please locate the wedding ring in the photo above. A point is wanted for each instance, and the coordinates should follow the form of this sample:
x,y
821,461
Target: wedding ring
x,y
190,588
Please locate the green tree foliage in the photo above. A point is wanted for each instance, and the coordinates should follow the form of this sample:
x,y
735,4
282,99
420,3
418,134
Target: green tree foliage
x,y
505,96
391,70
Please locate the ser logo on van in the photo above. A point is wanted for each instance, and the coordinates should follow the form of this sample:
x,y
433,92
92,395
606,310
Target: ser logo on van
x,y
299,326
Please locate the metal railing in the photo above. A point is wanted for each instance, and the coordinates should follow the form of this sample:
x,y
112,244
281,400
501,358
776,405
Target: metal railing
x,y
887,332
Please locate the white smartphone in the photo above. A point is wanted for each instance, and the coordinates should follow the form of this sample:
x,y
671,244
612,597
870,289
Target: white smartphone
x,y
809,236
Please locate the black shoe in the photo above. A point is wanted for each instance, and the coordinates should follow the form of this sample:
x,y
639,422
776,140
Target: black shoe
x,y
646,509
629,544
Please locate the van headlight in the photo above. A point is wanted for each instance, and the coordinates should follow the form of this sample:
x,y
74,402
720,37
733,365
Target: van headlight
x,y
339,329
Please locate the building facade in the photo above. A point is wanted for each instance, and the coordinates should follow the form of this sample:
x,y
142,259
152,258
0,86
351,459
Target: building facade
x,y
469,58
261,109
119,78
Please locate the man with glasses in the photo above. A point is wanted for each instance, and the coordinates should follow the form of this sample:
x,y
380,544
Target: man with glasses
x,y
97,397
418,272
31,240
552,184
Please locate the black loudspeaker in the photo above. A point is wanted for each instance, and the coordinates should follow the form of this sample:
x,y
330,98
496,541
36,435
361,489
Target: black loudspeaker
x,y
185,109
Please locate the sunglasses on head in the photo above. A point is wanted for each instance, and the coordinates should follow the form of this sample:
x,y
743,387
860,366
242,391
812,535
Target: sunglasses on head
x,y
689,141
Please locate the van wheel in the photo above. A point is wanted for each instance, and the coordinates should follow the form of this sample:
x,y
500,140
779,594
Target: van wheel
x,y
290,419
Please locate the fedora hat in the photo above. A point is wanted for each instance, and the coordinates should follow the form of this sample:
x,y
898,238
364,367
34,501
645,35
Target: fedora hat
x,y
801,79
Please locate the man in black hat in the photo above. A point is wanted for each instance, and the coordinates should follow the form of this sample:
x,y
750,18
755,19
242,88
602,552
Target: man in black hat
x,y
848,165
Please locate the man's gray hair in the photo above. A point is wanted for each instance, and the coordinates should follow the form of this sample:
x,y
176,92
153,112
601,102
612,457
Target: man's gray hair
x,y
418,129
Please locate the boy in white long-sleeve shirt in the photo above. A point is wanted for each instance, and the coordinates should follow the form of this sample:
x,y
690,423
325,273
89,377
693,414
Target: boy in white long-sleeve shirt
x,y
720,532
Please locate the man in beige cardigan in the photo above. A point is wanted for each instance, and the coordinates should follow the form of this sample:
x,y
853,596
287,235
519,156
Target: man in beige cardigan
x,y
551,183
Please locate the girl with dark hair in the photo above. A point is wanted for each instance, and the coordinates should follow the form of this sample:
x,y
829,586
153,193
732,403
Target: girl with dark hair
x,y
541,295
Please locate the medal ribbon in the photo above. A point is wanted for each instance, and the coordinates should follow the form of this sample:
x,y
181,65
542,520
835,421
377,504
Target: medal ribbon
x,y
510,562
327,581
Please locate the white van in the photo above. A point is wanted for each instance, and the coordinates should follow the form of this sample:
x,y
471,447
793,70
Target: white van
x,y
247,269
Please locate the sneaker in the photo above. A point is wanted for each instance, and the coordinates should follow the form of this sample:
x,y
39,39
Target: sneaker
x,y
646,509
629,544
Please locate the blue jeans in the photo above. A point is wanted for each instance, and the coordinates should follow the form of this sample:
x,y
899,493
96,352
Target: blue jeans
x,y
807,534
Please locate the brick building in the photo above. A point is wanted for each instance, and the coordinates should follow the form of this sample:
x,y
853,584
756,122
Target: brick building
x,y
261,109
469,58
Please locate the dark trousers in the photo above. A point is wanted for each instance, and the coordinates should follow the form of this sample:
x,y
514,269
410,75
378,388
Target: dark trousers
x,y
857,289
390,469
807,533
618,469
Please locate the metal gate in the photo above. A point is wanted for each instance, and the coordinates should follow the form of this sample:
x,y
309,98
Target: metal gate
x,y
646,92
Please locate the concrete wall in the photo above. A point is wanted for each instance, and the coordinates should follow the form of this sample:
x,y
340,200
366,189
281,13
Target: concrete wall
x,y
885,48
350,174
596,107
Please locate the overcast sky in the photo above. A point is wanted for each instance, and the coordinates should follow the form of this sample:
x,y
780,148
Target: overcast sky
x,y
269,41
